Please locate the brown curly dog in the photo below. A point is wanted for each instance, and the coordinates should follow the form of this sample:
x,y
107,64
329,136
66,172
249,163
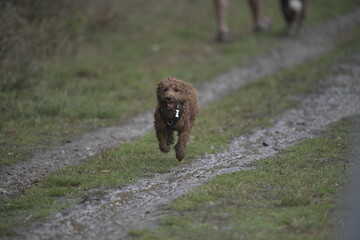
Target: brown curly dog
x,y
175,111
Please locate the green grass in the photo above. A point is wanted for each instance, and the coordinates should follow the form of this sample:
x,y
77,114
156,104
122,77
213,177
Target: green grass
x,y
291,196
217,124
113,75
67,104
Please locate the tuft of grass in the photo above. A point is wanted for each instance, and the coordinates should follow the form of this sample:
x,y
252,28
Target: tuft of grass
x,y
291,196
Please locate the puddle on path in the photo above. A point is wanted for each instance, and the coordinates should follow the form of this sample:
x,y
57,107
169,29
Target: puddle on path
x,y
313,42
139,205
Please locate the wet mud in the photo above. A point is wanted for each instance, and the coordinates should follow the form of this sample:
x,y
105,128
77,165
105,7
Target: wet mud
x,y
139,205
312,43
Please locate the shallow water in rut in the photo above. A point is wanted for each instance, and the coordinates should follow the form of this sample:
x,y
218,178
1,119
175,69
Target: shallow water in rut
x,y
137,205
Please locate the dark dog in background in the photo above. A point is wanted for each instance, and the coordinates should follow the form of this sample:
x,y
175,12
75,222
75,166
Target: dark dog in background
x,y
294,13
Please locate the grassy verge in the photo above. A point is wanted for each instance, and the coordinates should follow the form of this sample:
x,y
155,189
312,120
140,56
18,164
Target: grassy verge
x,y
291,196
217,124
113,74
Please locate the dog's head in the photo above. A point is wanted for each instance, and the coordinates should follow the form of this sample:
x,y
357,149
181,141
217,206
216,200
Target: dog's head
x,y
171,92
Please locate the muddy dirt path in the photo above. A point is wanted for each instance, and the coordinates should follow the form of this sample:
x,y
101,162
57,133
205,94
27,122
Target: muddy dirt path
x,y
312,43
139,205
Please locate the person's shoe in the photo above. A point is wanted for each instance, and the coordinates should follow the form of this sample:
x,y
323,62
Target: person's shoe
x,y
264,25
224,37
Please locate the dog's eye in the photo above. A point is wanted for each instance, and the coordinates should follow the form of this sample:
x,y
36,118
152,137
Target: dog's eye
x,y
166,89
176,90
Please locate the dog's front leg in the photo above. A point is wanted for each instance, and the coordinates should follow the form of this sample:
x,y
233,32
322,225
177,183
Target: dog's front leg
x,y
180,147
163,138
170,137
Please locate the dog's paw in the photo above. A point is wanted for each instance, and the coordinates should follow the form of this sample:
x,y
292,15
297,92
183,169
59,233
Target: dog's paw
x,y
164,149
180,152
179,156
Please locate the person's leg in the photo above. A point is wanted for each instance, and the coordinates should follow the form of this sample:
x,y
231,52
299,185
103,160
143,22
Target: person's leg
x,y
260,24
254,7
221,7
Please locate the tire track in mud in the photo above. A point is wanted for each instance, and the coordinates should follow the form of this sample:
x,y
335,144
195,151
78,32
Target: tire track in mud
x,y
313,42
138,205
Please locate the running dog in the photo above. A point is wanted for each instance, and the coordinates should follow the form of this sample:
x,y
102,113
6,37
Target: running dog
x,y
176,110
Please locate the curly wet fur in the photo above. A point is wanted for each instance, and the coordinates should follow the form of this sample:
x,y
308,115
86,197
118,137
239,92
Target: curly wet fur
x,y
172,92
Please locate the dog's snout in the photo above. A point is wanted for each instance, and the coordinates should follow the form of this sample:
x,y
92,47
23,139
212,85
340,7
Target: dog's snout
x,y
168,98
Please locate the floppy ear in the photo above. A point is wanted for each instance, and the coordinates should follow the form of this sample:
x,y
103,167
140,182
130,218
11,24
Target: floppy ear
x,y
185,89
186,92
158,91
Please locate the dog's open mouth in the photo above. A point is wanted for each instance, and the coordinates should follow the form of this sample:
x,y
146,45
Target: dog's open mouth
x,y
170,105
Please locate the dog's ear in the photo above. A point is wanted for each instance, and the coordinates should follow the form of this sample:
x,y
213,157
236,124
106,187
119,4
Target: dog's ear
x,y
186,92
159,86
158,91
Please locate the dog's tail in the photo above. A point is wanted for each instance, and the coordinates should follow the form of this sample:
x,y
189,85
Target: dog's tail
x,y
296,5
